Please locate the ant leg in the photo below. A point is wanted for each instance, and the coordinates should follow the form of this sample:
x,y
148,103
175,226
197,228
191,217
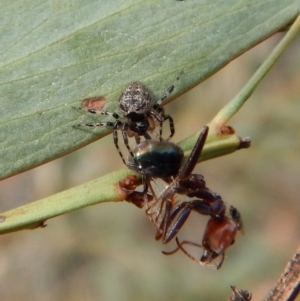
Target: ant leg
x,y
154,196
174,226
145,193
165,223
185,242
185,208
198,206
151,210
158,210
162,208
201,261
146,196
213,207
195,186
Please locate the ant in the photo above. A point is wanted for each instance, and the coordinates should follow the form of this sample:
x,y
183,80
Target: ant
x,y
151,159
219,234
138,116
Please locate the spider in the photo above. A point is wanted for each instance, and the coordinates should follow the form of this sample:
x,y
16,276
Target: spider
x,y
163,160
138,116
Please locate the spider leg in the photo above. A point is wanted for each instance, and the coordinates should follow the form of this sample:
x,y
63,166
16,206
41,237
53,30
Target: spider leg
x,y
116,142
160,131
171,124
146,197
156,211
160,115
137,139
99,112
96,124
149,208
167,93
118,125
124,128
165,223
146,136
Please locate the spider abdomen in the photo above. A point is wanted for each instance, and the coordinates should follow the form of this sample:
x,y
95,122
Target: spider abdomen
x,y
135,98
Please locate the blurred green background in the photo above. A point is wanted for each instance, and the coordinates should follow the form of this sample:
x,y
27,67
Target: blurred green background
x,y
108,251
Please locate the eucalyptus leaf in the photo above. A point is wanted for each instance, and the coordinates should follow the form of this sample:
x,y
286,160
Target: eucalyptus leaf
x,y
54,54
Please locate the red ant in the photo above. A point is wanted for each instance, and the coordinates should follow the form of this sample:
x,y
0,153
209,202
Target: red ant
x,y
168,218
219,234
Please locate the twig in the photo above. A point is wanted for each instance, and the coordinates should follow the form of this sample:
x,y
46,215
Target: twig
x,y
237,102
288,285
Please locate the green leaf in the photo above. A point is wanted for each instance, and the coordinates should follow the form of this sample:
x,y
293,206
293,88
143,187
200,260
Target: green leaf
x,y
55,54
